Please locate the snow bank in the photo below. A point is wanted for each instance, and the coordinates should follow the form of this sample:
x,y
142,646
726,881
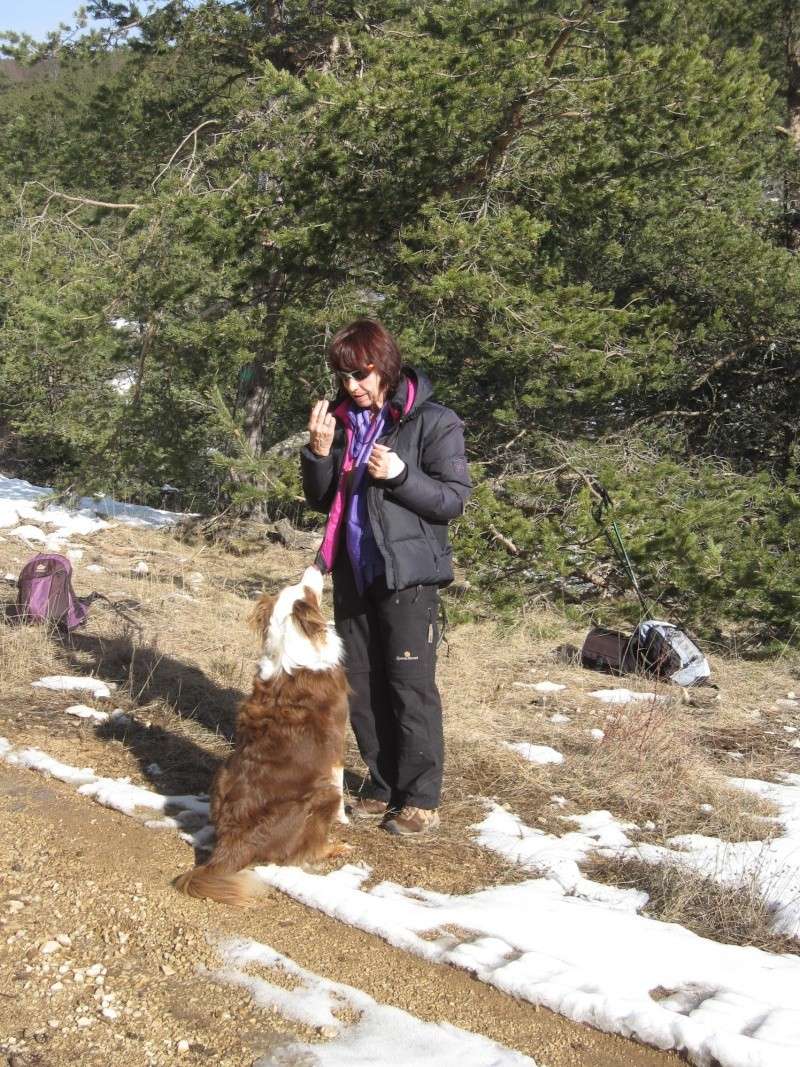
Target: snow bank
x,y
379,1034
22,504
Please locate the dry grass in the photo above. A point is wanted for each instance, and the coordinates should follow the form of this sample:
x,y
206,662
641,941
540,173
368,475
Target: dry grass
x,y
180,652
737,913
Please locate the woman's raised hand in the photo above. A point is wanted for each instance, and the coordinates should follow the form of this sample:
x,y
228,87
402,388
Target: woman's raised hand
x,y
321,425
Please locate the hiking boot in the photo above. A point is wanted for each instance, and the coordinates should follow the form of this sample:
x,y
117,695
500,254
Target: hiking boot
x,y
369,808
409,821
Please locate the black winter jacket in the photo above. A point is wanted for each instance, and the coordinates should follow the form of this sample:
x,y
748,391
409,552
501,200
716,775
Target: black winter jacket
x,y
409,514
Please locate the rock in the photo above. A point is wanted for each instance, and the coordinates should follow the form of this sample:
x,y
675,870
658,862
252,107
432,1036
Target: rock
x,y
702,697
167,970
140,569
64,940
285,534
183,1046
85,1021
49,947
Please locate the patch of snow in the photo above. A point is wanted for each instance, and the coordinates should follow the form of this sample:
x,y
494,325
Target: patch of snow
x,y
558,858
559,718
71,683
770,867
623,696
116,793
595,964
535,753
82,711
548,687
597,734
22,504
379,1033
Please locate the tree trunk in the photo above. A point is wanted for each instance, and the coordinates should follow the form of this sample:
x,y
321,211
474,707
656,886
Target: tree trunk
x,y
792,179
254,399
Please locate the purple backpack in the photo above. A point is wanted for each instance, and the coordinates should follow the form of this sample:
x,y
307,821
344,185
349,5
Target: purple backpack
x,y
46,595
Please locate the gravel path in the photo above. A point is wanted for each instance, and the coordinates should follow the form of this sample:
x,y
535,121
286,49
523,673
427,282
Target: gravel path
x,y
101,962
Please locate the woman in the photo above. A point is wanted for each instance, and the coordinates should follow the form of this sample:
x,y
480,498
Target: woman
x,y
387,465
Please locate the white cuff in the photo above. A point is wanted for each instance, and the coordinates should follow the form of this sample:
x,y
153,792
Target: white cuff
x,y
396,466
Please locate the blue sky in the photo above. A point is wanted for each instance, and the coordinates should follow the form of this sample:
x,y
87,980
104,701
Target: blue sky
x,y
36,17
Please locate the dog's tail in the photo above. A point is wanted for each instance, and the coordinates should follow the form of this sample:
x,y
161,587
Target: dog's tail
x,y
239,889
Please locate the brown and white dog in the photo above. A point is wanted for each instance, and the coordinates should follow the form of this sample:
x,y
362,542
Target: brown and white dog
x,y
277,796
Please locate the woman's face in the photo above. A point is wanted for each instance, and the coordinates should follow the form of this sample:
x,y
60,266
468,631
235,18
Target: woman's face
x,y
367,393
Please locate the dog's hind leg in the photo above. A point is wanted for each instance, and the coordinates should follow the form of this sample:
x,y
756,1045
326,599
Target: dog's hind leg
x,y
337,777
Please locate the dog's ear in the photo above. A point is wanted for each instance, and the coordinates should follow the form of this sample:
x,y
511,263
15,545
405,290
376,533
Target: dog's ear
x,y
308,619
312,583
262,613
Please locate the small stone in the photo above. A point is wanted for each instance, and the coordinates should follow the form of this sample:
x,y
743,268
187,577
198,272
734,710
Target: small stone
x,y
140,568
64,940
14,905
109,1013
183,1046
327,1031
95,969
85,1021
56,987
48,947
53,1024
167,970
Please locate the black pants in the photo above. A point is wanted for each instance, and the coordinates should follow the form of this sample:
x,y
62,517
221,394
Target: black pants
x,y
390,639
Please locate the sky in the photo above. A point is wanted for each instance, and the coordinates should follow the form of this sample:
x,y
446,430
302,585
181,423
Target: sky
x,y
36,17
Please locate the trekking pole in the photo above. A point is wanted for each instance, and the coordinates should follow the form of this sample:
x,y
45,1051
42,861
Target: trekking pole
x,y
604,502
625,560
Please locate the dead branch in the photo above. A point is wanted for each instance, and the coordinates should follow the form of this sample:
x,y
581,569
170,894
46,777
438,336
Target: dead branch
x,y
192,134
83,200
506,542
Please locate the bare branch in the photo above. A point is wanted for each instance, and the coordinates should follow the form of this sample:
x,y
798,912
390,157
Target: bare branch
x,y
513,124
83,200
192,134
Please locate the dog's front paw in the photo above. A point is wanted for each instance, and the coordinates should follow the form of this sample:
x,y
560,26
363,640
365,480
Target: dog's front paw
x,y
336,849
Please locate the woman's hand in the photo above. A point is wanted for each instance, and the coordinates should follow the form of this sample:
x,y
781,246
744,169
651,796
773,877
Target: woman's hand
x,y
384,464
321,425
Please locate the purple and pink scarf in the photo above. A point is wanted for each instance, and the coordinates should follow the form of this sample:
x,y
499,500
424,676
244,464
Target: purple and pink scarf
x,y
349,508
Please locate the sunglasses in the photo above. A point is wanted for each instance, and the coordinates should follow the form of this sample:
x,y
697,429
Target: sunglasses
x,y
355,375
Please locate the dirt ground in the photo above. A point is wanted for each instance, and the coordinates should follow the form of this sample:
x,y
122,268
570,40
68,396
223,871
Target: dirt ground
x,y
129,980
101,883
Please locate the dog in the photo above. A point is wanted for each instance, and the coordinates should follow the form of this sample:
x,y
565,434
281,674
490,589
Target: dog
x,y
277,796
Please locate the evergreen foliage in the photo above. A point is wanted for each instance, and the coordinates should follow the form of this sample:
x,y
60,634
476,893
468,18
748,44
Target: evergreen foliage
x,y
581,220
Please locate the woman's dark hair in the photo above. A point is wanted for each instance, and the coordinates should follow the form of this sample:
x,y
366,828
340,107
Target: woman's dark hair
x,y
366,341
